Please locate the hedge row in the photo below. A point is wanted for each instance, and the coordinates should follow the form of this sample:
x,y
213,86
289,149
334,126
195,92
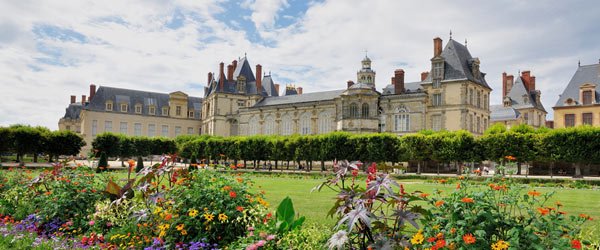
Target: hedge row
x,y
22,139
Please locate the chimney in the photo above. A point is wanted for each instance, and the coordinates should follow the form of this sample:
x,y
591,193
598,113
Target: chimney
x,y
210,76
299,90
526,77
503,85
277,88
350,83
234,64
510,81
398,81
424,75
73,99
437,47
230,72
92,91
221,76
532,84
83,99
258,78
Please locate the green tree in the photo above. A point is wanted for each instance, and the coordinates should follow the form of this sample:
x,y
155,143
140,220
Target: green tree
x,y
102,163
6,141
108,143
418,148
63,143
28,140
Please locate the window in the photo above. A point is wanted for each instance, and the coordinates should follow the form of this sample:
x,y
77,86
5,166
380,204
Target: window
x,y
68,127
123,128
178,110
436,100
587,97
471,123
94,128
152,110
526,118
471,96
402,122
286,124
569,120
190,131
436,83
165,130
109,106
191,114
365,110
485,101
151,130
324,122
138,109
137,129
253,126
438,70
305,121
107,126
478,99
436,122
165,111
241,103
478,128
353,110
269,125
177,130
123,107
587,118
485,124
540,121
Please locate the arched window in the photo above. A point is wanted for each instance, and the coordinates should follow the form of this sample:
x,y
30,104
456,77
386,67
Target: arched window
x,y
305,124
269,125
324,122
365,110
353,110
369,79
253,126
287,125
402,119
233,130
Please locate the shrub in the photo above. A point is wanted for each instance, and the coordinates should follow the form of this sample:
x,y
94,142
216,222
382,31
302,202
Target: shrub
x,y
140,164
102,163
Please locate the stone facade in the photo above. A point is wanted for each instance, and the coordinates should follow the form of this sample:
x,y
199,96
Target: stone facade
x,y
579,104
521,102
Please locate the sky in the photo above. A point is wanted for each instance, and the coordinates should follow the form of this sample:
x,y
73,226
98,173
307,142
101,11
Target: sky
x,y
50,50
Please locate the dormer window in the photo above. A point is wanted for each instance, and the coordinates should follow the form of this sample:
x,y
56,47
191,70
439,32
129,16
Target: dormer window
x,y
152,110
124,107
438,70
178,110
109,106
241,84
570,101
586,97
525,99
475,67
507,102
165,111
191,114
138,108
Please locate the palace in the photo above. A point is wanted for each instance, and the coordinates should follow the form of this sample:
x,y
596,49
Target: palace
x,y
521,102
579,103
453,95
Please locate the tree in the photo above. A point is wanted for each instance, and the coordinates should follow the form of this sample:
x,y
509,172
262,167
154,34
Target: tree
x,y
578,146
102,163
6,140
28,140
417,147
140,164
108,143
63,143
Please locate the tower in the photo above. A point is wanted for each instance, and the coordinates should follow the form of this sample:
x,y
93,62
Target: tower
x,y
366,75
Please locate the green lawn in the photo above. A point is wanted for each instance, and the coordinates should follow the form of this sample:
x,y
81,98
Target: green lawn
x,y
315,205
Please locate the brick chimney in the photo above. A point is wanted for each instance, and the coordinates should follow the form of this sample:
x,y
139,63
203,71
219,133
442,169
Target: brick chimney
x,y
277,88
532,84
350,83
234,63
437,47
299,90
210,76
92,91
504,85
424,75
526,77
73,99
230,72
510,81
258,79
83,99
398,81
221,76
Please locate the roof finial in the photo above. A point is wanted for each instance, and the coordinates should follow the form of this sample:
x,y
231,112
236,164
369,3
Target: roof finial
x,y
366,53
579,63
451,34
465,42
244,54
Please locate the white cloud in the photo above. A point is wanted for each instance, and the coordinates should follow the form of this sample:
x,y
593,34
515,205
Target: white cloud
x,y
264,13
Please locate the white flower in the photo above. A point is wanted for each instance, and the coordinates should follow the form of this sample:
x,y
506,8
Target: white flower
x,y
338,240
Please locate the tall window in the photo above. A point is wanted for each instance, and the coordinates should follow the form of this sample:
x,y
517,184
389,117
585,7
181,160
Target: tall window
x,y
269,125
526,118
587,97
324,122
402,122
123,128
190,131
177,130
305,122
137,129
436,83
471,96
569,120
471,123
478,99
138,109
478,128
107,126
152,110
151,130
165,111
587,118
365,110
353,110
438,70
485,101
109,106
436,100
485,124
286,124
94,128
436,122
165,130
253,126
178,110
123,107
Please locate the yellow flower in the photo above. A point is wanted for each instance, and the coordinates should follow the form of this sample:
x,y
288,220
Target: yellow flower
x,y
418,238
209,217
162,234
183,232
157,210
222,217
500,245
193,213
164,227
180,227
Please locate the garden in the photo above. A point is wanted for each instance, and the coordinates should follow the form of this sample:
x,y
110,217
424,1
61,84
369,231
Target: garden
x,y
221,200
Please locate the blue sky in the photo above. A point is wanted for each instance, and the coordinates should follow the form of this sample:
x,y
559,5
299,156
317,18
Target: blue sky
x,y
50,50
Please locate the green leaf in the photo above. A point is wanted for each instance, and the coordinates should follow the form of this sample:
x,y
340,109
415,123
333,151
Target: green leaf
x,y
285,211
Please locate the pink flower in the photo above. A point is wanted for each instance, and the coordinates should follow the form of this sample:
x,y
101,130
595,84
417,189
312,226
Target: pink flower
x,y
92,223
252,247
271,237
250,229
261,243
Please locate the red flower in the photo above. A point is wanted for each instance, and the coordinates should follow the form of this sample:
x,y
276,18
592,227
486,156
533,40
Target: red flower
x,y
232,194
543,211
239,208
576,244
469,239
467,200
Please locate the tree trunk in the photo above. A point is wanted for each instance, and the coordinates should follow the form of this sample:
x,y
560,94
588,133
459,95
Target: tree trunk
x,y
551,168
519,168
438,168
276,164
244,164
322,166
577,170
458,168
35,157
287,165
419,167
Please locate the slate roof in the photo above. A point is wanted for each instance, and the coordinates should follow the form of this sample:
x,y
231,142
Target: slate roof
x,y
133,97
584,74
408,87
518,94
73,111
457,64
501,113
230,85
306,97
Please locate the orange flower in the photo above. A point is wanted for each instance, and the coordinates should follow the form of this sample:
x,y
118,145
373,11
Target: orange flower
x,y
442,181
440,243
440,236
453,230
458,185
226,188
558,204
469,239
168,216
431,239
585,216
424,195
534,193
131,163
439,203
467,200
510,158
232,194
543,211
239,208
461,177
